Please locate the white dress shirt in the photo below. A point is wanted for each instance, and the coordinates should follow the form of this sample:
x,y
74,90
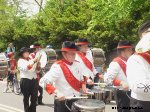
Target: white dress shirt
x,y
138,75
24,71
114,72
55,76
90,58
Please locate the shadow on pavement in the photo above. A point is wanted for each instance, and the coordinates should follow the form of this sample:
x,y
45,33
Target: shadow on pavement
x,y
48,105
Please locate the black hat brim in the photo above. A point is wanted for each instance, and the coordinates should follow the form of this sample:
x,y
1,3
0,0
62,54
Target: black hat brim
x,y
26,50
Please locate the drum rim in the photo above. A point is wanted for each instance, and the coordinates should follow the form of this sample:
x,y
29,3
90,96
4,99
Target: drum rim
x,y
81,107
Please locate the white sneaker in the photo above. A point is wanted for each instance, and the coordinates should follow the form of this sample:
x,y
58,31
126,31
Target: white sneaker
x,y
5,90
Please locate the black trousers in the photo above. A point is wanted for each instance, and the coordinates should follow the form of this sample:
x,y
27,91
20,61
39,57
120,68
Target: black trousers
x,y
40,94
59,106
122,100
143,105
96,79
40,97
29,89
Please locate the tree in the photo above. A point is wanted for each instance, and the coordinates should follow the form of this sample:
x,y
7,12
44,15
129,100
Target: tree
x,y
103,22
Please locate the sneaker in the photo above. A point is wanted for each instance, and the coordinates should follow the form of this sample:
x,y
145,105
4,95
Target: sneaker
x,y
5,90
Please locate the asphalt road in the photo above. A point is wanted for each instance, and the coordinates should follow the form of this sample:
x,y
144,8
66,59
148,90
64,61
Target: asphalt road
x,y
9,102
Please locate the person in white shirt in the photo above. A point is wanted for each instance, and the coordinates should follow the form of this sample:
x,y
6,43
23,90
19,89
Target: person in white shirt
x,y
36,47
138,75
29,82
67,76
84,56
116,74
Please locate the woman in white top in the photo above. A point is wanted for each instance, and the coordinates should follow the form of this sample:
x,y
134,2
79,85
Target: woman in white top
x,y
29,82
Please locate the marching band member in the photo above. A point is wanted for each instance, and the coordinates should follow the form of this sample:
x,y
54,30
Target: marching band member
x,y
29,82
84,56
144,29
138,75
116,74
67,75
36,47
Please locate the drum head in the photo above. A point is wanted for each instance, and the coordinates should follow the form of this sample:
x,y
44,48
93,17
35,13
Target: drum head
x,y
43,59
89,104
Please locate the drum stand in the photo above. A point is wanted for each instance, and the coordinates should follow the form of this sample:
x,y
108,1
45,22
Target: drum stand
x,y
67,105
102,95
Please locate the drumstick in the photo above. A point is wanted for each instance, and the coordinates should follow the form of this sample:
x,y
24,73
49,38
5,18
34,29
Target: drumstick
x,y
90,93
80,97
100,83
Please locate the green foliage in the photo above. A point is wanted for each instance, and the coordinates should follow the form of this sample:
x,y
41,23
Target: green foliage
x,y
103,22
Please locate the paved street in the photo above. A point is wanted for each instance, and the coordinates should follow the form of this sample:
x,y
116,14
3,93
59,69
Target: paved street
x,y
9,102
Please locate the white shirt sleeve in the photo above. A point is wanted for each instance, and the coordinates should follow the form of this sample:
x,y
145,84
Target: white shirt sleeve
x,y
51,76
111,72
23,64
84,72
137,76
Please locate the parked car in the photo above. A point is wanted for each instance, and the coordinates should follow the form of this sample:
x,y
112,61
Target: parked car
x,y
3,66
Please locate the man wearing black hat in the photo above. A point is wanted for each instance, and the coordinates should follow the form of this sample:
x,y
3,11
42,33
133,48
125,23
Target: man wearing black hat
x,y
116,74
29,82
84,56
67,74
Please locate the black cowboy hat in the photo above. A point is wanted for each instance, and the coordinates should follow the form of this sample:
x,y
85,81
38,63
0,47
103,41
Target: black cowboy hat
x,y
69,46
66,46
124,44
82,41
22,50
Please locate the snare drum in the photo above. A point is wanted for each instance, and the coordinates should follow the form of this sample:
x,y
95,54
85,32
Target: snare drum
x,y
102,93
88,105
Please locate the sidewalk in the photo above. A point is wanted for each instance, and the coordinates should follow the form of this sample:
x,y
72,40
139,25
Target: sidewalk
x,y
3,80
